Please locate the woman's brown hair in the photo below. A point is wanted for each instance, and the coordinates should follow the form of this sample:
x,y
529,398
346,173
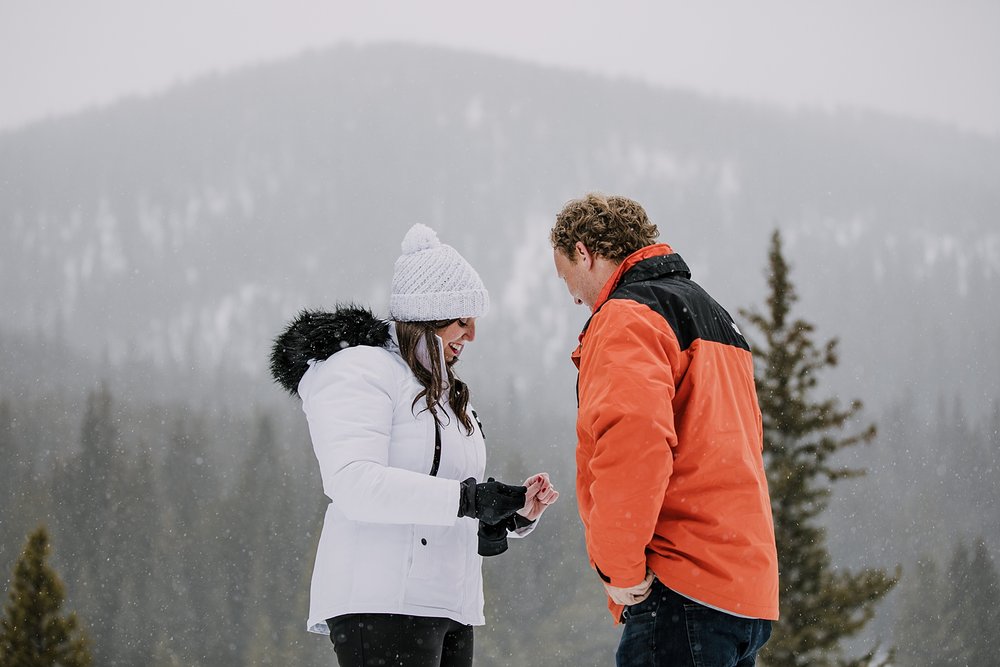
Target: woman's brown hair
x,y
409,335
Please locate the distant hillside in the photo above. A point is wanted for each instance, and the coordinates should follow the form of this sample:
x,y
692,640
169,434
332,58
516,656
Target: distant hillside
x,y
182,229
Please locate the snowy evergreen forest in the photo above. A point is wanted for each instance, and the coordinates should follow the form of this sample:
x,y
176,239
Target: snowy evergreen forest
x,y
150,250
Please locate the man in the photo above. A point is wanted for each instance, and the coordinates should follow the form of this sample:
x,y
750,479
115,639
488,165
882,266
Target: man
x,y
670,476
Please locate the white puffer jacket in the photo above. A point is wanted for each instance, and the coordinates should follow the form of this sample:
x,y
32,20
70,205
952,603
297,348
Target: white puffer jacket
x,y
392,540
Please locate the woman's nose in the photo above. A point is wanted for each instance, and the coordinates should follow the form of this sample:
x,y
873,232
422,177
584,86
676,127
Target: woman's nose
x,y
470,332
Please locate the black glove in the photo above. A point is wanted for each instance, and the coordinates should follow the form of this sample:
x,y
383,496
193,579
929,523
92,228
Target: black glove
x,y
490,501
492,539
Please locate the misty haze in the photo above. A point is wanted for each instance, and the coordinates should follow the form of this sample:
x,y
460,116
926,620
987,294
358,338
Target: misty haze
x,y
152,249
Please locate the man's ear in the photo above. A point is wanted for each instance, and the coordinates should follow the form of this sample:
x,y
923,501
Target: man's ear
x,y
583,254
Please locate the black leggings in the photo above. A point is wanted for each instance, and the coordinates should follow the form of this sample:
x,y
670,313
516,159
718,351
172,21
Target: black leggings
x,y
363,640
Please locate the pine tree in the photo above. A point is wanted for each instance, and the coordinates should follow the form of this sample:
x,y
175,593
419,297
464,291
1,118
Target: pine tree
x,y
923,632
12,482
88,518
974,601
949,615
188,503
268,545
820,605
33,633
8,452
135,563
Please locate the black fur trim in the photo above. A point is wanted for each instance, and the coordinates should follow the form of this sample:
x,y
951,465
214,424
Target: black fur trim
x,y
315,334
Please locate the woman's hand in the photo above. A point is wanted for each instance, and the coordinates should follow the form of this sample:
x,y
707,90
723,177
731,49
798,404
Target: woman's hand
x,y
540,495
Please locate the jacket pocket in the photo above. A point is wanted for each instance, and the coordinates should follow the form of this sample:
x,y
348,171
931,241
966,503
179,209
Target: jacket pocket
x,y
438,573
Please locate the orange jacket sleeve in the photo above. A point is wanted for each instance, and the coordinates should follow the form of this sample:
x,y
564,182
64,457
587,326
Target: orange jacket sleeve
x,y
625,428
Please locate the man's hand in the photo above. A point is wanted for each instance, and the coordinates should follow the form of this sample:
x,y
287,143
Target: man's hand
x,y
633,594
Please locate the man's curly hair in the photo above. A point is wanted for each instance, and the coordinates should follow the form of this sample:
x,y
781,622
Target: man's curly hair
x,y
611,227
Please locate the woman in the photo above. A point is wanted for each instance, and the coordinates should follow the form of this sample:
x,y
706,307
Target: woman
x,y
398,572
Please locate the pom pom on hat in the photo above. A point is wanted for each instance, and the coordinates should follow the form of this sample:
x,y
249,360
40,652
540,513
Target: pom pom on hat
x,y
431,281
420,237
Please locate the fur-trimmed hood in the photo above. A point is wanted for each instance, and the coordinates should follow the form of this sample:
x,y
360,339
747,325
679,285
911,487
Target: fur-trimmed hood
x,y
315,335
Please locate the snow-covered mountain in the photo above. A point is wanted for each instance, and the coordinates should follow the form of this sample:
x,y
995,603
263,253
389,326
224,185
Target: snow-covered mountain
x,y
181,230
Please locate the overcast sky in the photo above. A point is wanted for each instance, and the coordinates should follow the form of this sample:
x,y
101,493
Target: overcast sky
x,y
933,59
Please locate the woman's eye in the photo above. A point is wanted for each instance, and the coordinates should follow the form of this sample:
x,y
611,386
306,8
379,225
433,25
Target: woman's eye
x,y
463,323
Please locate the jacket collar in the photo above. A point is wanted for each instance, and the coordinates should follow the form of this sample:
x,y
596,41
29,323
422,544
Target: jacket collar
x,y
649,262
315,335
652,261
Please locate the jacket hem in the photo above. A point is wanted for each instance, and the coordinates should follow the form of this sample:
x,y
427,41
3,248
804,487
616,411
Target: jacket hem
x,y
721,603
319,626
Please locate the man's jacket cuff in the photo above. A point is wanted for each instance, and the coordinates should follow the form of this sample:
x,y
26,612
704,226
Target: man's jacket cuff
x,y
618,583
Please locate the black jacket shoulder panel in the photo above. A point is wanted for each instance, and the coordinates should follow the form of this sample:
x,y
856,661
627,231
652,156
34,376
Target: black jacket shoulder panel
x,y
315,335
664,285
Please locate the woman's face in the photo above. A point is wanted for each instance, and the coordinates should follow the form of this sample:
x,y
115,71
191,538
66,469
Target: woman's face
x,y
455,336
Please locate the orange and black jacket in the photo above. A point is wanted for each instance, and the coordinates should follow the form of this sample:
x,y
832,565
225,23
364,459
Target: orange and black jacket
x,y
670,474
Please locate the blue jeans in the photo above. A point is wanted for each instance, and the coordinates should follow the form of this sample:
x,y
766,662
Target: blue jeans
x,y
669,630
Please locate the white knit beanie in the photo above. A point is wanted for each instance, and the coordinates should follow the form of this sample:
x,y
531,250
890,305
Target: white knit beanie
x,y
431,281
